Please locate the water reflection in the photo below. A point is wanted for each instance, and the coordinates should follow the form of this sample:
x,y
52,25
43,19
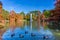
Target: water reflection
x,y
19,32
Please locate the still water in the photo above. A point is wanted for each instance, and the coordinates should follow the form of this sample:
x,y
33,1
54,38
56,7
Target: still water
x,y
29,31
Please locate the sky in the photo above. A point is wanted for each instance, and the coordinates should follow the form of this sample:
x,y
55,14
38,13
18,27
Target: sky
x,y
27,5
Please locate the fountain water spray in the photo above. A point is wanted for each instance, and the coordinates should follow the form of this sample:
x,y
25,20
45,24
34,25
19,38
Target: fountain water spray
x,y
31,21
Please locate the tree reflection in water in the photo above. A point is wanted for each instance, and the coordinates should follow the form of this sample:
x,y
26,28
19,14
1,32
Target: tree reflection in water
x,y
43,33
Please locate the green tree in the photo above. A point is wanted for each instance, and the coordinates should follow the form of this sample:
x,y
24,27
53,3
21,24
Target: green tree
x,y
47,13
22,13
34,14
27,17
5,14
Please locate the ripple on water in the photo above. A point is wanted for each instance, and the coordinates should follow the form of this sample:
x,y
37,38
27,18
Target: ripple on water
x,y
19,34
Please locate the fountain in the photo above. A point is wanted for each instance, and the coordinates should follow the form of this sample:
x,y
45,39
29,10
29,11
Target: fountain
x,y
31,22
32,34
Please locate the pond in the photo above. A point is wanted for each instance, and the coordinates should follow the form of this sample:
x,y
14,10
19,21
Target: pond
x,y
29,31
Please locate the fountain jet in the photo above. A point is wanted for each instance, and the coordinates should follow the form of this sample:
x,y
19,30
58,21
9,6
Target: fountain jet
x,y
31,21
